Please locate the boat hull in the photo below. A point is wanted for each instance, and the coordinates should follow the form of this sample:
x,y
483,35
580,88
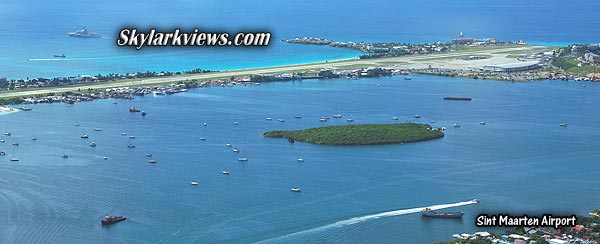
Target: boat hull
x,y
433,214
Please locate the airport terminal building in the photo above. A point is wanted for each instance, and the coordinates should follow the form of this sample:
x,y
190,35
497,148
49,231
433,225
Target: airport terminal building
x,y
513,67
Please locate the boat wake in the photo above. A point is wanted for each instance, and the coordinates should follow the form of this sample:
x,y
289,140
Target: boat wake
x,y
47,59
357,220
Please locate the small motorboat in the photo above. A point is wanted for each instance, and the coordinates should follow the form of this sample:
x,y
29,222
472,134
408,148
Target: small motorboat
x,y
7,134
2,153
350,120
148,154
296,189
394,118
564,124
123,134
269,118
14,159
202,139
85,136
225,172
97,129
26,108
34,138
228,145
236,123
151,161
243,159
76,124
205,124
105,158
131,137
281,120
2,141
407,78
336,116
134,110
300,160
15,143
144,113
456,125
432,121
194,183
297,116
65,156
483,123
93,144
323,120
108,220
417,116
59,55
235,150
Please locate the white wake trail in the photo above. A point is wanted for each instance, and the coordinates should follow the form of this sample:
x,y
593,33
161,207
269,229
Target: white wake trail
x,y
356,220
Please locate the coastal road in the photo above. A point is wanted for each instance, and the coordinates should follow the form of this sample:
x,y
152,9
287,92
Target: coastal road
x,y
406,62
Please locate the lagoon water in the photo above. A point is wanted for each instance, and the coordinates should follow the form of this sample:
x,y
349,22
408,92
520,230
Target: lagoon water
x,y
522,161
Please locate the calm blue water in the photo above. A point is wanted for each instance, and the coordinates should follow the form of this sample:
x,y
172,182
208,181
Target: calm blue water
x,y
520,162
33,30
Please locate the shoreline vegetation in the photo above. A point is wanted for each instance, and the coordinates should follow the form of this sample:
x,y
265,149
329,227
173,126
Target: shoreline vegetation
x,y
361,134
459,58
586,230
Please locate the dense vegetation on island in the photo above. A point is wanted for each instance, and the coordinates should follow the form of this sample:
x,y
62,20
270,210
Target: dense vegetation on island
x,y
361,134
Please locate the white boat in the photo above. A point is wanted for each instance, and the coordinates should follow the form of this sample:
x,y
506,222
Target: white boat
x,y
202,138
236,123
225,172
158,93
76,124
349,120
336,116
482,123
281,120
105,158
123,134
194,183
97,129
7,134
235,150
65,156
322,120
269,118
564,124
297,116
152,161
93,144
394,118
205,124
85,136
2,141
456,125
14,159
243,159
34,138
417,116
132,137
228,145
432,121
300,160
148,154
15,143
296,189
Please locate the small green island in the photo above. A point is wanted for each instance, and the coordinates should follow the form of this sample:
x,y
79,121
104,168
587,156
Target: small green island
x,y
361,134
